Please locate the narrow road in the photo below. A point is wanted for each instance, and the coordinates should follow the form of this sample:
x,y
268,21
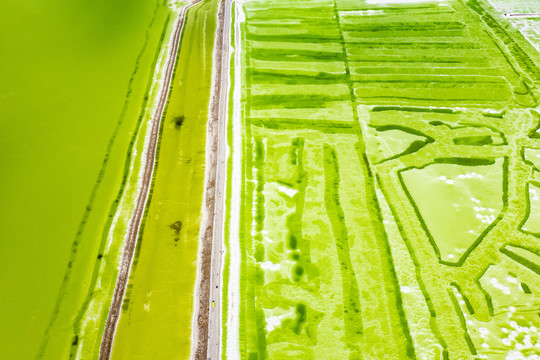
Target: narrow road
x,y
214,322
207,331
135,222
526,15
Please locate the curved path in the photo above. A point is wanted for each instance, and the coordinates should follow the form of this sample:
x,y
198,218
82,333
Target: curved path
x,y
135,221
524,15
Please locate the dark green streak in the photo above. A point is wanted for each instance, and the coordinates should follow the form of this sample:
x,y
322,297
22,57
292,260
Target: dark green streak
x,y
290,101
274,77
295,55
351,295
462,320
433,320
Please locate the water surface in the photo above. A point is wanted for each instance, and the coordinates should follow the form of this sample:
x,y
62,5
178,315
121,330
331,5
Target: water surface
x,y
65,68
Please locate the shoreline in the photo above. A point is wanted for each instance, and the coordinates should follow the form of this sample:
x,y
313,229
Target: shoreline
x,y
81,306
147,163
206,333
233,319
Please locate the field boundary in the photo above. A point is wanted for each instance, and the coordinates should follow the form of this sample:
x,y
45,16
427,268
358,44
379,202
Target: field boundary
x,y
135,222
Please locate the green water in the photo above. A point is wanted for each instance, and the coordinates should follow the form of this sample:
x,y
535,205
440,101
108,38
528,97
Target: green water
x,y
65,70
470,197
157,312
398,218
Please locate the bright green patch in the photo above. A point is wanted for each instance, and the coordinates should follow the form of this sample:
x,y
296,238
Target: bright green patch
x,y
457,203
372,218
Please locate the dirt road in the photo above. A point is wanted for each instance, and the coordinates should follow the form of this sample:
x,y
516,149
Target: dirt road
x,y
135,222
527,15
207,329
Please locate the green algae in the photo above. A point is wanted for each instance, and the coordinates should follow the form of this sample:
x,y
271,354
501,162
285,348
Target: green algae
x,y
513,321
457,203
74,79
532,156
351,304
532,223
90,322
396,141
158,308
445,87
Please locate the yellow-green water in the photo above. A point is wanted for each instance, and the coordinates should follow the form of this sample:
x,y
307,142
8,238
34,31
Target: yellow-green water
x,y
73,76
395,219
157,312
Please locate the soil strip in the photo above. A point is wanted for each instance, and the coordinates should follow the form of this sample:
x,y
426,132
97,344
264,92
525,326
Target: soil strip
x,y
207,322
135,221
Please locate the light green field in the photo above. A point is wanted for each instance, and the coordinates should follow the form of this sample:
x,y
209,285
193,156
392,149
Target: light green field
x,y
74,76
156,319
390,194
